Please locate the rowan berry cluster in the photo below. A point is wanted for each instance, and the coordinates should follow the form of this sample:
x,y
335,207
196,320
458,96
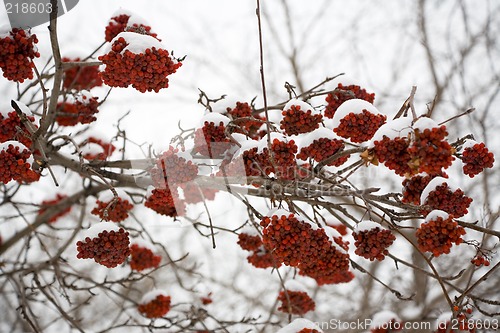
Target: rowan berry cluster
x,y
476,158
249,242
297,302
296,243
109,248
260,257
321,149
438,233
9,129
413,187
145,71
81,77
296,121
246,122
171,168
194,194
283,163
15,161
162,202
80,111
394,154
373,243
115,210
17,52
46,204
119,23
155,308
359,127
143,258
211,140
443,198
107,149
480,260
343,93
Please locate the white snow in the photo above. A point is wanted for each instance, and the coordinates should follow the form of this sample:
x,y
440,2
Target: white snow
x,y
433,184
122,11
84,97
383,317
221,105
138,43
307,139
399,127
332,233
279,212
263,142
297,325
151,296
143,244
214,117
5,30
6,144
355,106
107,196
367,225
423,123
96,229
469,144
275,116
435,214
5,112
24,108
303,106
294,285
250,230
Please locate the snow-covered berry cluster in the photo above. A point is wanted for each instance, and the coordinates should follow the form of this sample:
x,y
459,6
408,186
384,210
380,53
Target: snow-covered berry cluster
x,y
439,195
280,160
143,256
164,202
154,304
476,157
320,145
121,22
301,325
15,163
243,120
394,154
295,302
414,186
81,77
46,204
343,93
78,110
105,149
438,233
211,140
299,117
17,51
130,62
106,243
10,125
372,241
115,209
260,257
172,168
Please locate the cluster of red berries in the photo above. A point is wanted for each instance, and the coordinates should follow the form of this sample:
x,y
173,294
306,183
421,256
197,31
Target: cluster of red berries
x,y
143,258
436,235
109,248
81,77
243,118
162,201
14,159
344,93
48,203
322,149
413,187
81,111
430,152
359,127
296,243
296,121
476,159
156,308
145,71
249,242
394,154
117,212
9,129
194,194
297,302
249,163
260,257
480,260
17,52
373,243
443,198
171,168
282,163
211,140
107,149
119,24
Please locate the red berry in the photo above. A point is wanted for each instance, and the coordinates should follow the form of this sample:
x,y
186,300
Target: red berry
x,y
344,93
163,202
17,52
15,163
299,117
117,212
438,233
372,240
476,158
297,302
143,257
155,304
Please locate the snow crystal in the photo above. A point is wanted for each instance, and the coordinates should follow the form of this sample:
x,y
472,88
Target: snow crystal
x,y
423,123
367,225
151,296
144,244
299,324
216,118
355,106
107,196
320,133
138,43
6,144
433,184
294,285
435,214
96,229
399,127
303,106
383,317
